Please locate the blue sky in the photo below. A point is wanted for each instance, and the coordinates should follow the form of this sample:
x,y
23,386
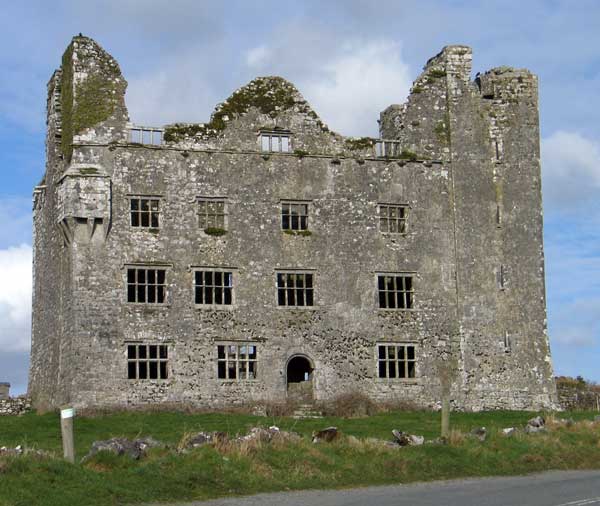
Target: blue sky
x,y
350,59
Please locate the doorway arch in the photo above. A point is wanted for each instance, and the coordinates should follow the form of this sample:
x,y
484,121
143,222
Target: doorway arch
x,y
299,377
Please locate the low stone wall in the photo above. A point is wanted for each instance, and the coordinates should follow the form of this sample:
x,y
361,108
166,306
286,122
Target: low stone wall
x,y
15,405
576,398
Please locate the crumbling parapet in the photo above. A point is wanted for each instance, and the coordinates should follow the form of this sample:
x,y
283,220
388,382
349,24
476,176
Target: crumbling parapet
x,y
92,96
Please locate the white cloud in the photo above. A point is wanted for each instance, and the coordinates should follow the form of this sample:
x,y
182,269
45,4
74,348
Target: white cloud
x,y
357,85
15,298
348,84
571,170
175,92
256,56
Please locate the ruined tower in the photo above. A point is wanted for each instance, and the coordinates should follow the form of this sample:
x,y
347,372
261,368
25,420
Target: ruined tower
x,y
261,256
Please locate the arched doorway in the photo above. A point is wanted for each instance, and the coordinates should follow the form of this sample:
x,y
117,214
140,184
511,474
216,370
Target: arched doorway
x,y
299,377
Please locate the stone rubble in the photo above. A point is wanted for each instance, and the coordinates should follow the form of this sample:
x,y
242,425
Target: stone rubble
x,y
479,433
135,449
326,435
405,439
536,424
15,406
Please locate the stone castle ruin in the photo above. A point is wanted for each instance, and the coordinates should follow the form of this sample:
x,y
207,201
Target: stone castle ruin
x,y
261,256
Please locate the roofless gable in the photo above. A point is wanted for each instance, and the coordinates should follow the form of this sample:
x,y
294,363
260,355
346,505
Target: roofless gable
x,y
269,103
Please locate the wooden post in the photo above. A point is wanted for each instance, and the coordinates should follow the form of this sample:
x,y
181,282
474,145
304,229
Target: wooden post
x,y
445,415
66,429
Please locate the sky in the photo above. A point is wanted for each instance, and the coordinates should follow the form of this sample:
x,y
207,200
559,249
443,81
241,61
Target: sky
x,y
350,59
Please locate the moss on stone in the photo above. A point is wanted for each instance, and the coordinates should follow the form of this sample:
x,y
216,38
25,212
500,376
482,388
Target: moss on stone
x,y
269,95
88,171
417,89
215,231
301,153
406,154
66,99
179,131
358,143
436,73
303,233
87,103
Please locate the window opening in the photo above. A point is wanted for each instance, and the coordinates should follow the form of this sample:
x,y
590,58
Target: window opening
x,y
392,218
507,343
236,361
295,289
146,135
294,216
387,148
147,361
213,287
212,213
144,212
501,277
396,361
275,142
146,285
395,291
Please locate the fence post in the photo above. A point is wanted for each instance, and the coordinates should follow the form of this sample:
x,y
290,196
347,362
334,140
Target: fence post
x,y
66,429
445,416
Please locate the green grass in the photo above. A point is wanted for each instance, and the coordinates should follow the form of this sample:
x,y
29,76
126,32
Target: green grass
x,y
211,472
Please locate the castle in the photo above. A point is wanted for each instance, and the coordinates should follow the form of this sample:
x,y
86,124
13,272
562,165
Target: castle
x,y
261,256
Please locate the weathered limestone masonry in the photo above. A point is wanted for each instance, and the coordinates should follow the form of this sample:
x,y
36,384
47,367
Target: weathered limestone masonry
x,y
461,166
15,406
12,405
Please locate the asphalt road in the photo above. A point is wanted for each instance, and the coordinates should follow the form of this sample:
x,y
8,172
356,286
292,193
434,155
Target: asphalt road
x,y
568,488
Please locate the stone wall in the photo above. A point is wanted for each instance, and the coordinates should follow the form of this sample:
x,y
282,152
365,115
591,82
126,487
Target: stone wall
x,y
577,398
473,244
15,405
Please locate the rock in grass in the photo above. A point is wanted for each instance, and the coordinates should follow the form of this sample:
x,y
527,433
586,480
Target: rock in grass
x,y
326,435
416,440
202,438
530,429
135,449
509,431
537,421
536,424
480,433
11,452
405,439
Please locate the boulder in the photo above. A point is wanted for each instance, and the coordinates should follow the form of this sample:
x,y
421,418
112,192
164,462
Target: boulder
x,y
11,452
326,435
536,424
135,449
202,438
416,440
530,429
480,433
258,434
405,439
509,431
537,421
